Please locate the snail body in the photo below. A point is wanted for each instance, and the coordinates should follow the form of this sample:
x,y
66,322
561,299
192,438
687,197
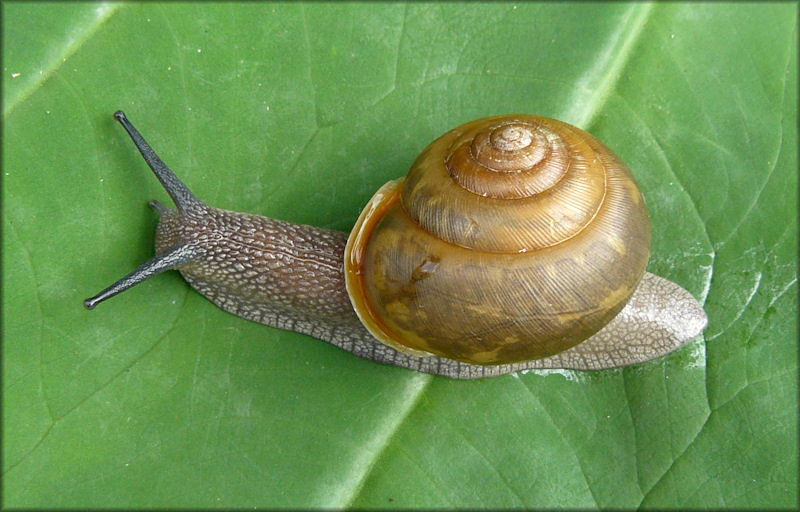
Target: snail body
x,y
515,242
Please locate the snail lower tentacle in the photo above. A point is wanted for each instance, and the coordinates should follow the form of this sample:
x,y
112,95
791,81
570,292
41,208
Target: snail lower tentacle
x,y
302,278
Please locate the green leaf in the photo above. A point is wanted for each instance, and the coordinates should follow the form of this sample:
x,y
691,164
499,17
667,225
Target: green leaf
x,y
301,111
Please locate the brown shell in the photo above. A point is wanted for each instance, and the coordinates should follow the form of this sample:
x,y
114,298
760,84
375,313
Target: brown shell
x,y
513,238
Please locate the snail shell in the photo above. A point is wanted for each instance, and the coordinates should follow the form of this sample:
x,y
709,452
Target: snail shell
x,y
515,242
512,238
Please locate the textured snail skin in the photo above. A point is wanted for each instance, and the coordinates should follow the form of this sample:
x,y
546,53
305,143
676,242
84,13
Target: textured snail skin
x,y
292,277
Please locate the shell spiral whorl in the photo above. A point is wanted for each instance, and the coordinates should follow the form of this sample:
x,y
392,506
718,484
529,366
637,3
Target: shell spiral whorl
x,y
512,238
520,199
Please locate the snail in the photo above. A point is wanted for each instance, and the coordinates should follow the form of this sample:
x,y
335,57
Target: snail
x,y
515,242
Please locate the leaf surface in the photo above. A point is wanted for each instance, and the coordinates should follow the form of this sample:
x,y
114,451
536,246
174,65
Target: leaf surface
x,y
300,112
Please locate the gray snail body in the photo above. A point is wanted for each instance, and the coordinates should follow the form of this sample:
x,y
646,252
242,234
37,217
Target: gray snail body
x,y
437,289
